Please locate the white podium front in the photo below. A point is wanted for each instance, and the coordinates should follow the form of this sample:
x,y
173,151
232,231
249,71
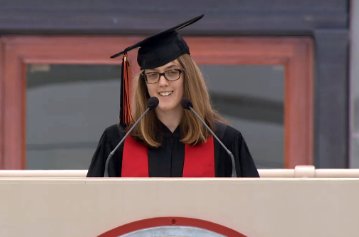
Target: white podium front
x,y
85,207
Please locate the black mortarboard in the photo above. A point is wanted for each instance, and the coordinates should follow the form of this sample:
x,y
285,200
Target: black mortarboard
x,y
161,48
154,51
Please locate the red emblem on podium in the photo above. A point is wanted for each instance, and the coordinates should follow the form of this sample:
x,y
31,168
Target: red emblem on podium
x,y
172,226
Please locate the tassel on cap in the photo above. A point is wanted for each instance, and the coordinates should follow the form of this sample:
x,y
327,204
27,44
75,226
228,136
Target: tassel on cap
x,y
125,104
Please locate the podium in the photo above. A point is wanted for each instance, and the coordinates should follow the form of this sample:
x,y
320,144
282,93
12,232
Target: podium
x,y
265,207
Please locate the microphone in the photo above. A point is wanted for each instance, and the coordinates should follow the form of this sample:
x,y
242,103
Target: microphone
x,y
152,103
186,104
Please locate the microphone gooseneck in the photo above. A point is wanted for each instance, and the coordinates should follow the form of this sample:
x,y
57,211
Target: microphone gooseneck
x,y
152,103
187,104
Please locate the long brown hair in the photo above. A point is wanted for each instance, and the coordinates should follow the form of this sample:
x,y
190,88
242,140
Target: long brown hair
x,y
191,129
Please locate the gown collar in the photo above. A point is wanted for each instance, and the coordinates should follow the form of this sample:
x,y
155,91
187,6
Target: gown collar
x,y
166,132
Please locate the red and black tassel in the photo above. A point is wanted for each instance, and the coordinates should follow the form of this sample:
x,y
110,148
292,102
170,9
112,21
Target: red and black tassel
x,y
125,103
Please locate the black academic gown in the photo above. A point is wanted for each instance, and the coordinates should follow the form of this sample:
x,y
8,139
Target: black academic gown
x,y
168,159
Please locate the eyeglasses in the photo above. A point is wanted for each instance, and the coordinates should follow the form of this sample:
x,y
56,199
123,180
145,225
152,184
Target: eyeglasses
x,y
170,75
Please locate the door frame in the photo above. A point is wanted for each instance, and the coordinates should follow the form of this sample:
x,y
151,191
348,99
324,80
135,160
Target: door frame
x,y
294,53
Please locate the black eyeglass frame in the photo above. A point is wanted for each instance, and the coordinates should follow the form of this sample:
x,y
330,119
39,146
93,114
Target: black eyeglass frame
x,y
164,75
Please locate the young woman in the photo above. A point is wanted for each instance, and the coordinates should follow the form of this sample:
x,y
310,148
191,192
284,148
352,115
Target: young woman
x,y
170,141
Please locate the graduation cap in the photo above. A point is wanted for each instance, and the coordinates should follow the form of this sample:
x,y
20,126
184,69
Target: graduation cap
x,y
154,51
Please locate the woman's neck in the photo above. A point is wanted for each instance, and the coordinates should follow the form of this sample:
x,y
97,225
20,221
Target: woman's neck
x,y
170,119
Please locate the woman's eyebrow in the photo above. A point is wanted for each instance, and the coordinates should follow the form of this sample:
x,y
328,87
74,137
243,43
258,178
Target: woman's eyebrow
x,y
166,68
172,66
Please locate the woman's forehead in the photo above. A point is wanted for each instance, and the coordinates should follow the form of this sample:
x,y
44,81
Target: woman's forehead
x,y
171,64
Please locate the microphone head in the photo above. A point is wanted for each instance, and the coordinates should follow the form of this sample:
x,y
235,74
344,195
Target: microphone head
x,y
152,102
186,103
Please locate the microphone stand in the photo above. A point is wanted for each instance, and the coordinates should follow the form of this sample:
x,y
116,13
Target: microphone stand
x,y
151,104
234,172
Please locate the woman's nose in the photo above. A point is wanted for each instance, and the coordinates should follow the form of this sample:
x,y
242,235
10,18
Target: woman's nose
x,y
162,81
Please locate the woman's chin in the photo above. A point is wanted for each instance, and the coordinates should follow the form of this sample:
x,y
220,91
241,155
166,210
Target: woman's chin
x,y
166,107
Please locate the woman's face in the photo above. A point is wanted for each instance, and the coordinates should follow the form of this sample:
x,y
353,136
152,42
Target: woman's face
x,y
169,91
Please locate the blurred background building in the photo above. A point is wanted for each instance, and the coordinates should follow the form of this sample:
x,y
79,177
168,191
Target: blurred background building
x,y
284,72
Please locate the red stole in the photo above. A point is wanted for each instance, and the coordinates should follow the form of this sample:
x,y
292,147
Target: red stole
x,y
198,160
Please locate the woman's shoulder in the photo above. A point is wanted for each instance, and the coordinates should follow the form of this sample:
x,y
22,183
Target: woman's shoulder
x,y
226,131
114,130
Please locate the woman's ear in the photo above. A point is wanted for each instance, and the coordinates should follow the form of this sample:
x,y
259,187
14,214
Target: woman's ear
x,y
143,78
144,87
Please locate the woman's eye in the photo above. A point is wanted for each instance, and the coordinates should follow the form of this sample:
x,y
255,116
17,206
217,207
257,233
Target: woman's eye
x,y
151,75
172,72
